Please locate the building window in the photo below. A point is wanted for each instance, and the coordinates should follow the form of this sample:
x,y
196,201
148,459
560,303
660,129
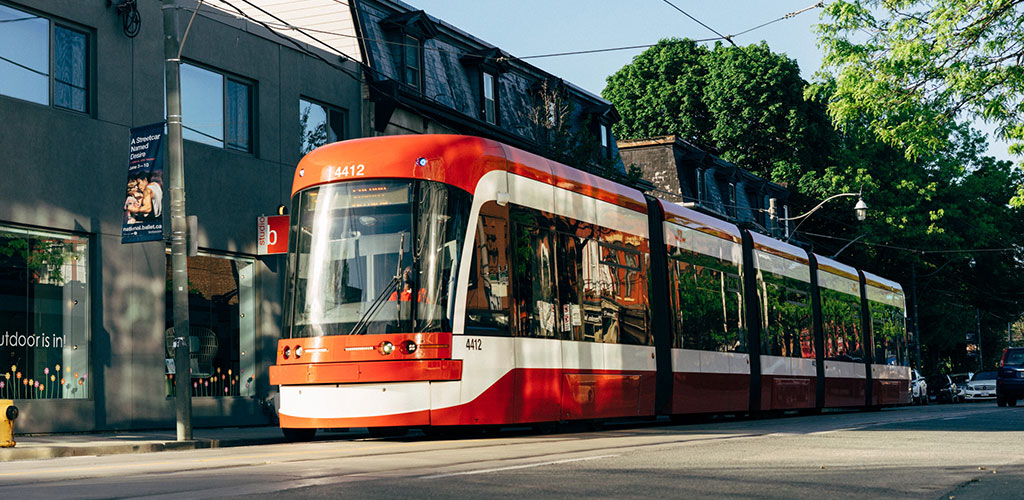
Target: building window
x,y
606,140
413,61
44,315
25,61
222,326
490,98
320,125
216,109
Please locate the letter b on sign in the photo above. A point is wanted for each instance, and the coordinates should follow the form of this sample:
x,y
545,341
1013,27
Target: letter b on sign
x,y
272,234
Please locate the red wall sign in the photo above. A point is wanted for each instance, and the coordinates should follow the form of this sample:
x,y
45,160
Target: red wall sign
x,y
272,234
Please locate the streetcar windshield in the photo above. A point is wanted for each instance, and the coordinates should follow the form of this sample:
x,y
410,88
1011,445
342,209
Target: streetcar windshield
x,y
374,257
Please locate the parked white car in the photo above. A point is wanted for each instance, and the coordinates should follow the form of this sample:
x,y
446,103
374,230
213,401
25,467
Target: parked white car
x,y
981,386
918,388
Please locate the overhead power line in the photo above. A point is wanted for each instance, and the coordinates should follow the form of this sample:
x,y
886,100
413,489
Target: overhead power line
x,y
916,250
728,38
282,25
723,37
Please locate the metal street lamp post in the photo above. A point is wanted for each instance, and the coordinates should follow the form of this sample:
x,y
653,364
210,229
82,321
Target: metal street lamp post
x,y
860,209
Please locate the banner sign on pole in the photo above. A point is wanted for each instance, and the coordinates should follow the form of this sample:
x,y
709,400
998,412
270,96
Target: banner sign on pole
x,y
272,234
144,194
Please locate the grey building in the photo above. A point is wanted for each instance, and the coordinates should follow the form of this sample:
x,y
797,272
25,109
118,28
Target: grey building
x,y
82,316
685,174
424,75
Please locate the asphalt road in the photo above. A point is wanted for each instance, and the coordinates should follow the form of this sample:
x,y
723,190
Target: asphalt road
x,y
967,451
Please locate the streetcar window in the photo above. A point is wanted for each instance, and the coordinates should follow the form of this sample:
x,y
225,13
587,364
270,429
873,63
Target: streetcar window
x,y
577,281
783,293
569,266
374,257
487,297
624,296
840,314
888,329
534,279
705,296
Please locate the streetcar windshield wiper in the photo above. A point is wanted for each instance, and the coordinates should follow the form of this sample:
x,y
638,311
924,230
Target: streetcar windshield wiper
x,y
379,301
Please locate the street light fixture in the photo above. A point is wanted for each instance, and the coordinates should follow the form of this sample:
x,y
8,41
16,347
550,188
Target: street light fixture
x,y
860,209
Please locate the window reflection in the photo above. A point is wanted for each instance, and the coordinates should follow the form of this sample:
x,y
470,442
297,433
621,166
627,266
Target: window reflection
x,y
69,69
215,110
319,125
44,315
221,309
704,293
25,61
597,288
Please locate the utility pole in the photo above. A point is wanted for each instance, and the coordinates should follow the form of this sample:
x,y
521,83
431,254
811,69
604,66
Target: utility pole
x,y
917,326
179,262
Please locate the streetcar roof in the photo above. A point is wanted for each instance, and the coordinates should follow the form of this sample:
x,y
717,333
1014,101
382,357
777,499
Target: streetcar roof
x,y
873,280
456,160
780,248
678,214
837,268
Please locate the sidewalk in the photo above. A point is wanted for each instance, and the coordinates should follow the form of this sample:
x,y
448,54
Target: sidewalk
x,y
111,443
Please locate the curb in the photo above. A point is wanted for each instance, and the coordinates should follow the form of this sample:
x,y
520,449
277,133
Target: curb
x,y
45,452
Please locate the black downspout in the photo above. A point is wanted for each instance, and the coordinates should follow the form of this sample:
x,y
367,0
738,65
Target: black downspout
x,y
818,329
752,314
661,325
869,341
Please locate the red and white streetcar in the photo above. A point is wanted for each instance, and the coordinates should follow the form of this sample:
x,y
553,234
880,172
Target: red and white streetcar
x,y
438,280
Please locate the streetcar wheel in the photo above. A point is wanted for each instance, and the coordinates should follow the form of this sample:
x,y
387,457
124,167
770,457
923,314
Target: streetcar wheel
x,y
1012,401
298,435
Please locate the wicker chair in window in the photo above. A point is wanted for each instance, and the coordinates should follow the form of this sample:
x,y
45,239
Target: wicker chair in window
x,y
202,349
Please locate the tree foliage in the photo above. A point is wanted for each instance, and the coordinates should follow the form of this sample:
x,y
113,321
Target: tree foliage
x,y
940,213
744,103
909,70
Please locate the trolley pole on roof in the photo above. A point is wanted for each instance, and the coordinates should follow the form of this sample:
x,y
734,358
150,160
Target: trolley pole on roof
x,y
179,262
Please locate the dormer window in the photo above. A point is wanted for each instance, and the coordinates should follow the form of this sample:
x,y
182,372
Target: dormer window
x,y
606,139
600,118
490,97
488,64
412,55
408,31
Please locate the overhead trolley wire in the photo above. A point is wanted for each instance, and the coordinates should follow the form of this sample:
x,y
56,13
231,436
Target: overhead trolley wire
x,y
727,38
700,40
281,24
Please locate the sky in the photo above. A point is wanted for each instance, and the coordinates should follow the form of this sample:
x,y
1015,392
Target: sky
x,y
526,28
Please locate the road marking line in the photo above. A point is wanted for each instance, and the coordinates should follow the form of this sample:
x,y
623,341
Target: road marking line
x,y
514,467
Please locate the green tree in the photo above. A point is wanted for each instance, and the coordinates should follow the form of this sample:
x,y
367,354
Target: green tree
x,y
744,103
661,92
910,69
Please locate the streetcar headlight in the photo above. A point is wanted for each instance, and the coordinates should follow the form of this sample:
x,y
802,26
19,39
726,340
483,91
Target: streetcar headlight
x,y
387,348
287,352
298,351
410,347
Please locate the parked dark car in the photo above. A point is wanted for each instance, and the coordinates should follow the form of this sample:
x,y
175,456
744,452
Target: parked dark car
x,y
1010,380
941,389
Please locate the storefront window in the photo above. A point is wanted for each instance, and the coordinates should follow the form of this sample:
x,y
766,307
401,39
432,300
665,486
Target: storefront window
x,y
222,329
44,315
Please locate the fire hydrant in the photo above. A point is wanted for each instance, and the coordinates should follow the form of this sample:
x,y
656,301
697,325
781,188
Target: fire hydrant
x,y
8,414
